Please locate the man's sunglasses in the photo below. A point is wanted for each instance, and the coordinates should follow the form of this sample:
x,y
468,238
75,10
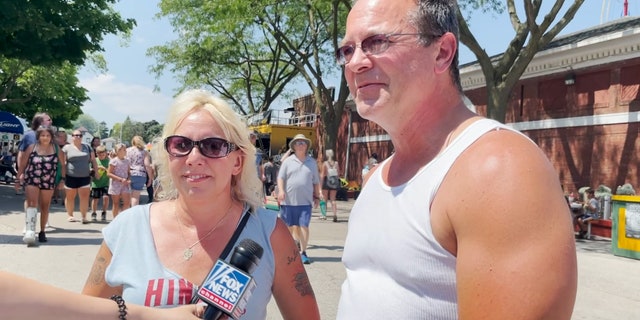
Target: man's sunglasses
x,y
179,146
375,44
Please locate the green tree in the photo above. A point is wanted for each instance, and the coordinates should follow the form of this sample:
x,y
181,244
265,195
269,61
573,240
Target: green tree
x,y
41,45
26,89
50,32
503,72
103,130
309,31
249,50
116,131
152,129
88,122
230,54
127,131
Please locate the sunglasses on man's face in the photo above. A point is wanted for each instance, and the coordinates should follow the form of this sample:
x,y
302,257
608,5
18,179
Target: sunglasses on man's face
x,y
179,146
77,135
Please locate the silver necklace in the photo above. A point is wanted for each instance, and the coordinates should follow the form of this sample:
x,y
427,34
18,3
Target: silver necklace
x,y
188,252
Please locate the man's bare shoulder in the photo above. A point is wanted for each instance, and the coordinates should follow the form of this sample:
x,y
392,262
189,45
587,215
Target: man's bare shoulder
x,y
501,211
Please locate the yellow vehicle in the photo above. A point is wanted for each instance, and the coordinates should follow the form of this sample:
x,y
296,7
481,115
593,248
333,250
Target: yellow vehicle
x,y
275,133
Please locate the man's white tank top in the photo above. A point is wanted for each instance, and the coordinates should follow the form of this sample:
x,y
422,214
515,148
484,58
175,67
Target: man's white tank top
x,y
395,267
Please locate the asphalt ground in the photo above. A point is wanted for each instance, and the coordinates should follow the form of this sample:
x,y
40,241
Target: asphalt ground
x,y
607,289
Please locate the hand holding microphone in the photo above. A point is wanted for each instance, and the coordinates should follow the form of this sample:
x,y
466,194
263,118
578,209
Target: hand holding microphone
x,y
229,285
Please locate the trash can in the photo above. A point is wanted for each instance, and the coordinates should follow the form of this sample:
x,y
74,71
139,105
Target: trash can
x,y
605,205
625,228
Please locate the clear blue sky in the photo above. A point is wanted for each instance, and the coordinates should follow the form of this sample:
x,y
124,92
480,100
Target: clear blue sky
x,y
127,89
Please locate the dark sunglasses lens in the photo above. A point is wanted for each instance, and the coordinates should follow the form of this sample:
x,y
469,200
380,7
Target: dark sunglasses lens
x,y
178,146
214,147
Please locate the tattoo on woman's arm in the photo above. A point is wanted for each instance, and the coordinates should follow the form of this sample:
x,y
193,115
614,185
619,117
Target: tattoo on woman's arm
x,y
293,257
302,284
96,275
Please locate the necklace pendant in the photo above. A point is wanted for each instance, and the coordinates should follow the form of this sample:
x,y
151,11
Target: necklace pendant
x,y
187,254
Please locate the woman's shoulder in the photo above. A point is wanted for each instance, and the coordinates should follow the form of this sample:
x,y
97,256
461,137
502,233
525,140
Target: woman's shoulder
x,y
129,217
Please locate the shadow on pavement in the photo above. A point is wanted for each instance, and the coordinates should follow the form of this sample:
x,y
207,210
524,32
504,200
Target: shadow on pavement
x,y
53,241
332,248
594,245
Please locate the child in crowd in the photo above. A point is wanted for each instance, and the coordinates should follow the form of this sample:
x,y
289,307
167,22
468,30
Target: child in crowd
x,y
100,186
120,185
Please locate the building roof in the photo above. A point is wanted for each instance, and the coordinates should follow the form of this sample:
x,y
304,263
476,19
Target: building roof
x,y
617,40
621,24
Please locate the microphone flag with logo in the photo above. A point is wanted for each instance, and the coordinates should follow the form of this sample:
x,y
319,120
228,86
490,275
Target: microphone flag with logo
x,y
228,286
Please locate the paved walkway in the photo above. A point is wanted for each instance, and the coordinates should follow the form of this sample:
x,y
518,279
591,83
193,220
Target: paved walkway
x,y
608,284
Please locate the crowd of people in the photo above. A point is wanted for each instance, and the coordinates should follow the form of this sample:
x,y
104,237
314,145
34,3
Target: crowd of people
x,y
50,169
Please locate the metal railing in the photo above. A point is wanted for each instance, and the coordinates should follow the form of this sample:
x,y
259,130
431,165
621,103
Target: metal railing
x,y
281,117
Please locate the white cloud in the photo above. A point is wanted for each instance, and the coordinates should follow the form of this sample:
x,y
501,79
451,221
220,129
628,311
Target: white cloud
x,y
112,100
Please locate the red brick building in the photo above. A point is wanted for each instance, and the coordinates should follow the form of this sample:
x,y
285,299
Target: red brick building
x,y
579,100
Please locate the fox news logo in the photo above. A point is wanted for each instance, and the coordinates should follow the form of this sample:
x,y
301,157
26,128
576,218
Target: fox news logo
x,y
225,287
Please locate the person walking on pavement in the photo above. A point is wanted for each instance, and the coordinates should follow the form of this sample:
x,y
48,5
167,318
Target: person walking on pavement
x,y
330,178
298,190
100,186
119,171
95,143
28,139
270,175
58,192
38,173
433,234
79,161
141,171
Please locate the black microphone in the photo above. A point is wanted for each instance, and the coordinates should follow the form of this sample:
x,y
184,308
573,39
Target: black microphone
x,y
228,286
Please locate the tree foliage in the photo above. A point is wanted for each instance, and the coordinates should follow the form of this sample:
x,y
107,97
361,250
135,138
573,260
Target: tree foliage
x,y
88,122
223,48
50,32
503,72
103,130
249,50
125,131
319,24
26,89
42,43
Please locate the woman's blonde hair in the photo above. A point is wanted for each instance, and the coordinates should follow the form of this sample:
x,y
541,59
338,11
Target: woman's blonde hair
x,y
329,154
245,186
137,142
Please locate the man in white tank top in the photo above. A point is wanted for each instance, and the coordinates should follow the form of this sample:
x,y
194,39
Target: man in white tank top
x,y
435,233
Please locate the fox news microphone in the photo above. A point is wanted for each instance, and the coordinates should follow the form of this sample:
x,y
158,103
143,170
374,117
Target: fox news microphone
x,y
229,285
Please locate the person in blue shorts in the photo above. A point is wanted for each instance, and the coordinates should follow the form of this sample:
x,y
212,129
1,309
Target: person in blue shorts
x,y
298,189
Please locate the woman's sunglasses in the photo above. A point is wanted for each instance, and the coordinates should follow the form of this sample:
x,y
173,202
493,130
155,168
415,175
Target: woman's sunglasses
x,y
179,146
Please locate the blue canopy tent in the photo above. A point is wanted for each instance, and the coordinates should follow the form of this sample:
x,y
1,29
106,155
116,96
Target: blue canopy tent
x,y
11,130
10,123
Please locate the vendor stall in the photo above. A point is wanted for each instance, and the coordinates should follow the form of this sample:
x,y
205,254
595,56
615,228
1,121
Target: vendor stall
x,y
11,131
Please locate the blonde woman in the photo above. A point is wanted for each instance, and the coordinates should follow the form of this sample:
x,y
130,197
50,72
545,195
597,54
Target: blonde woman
x,y
329,176
209,185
